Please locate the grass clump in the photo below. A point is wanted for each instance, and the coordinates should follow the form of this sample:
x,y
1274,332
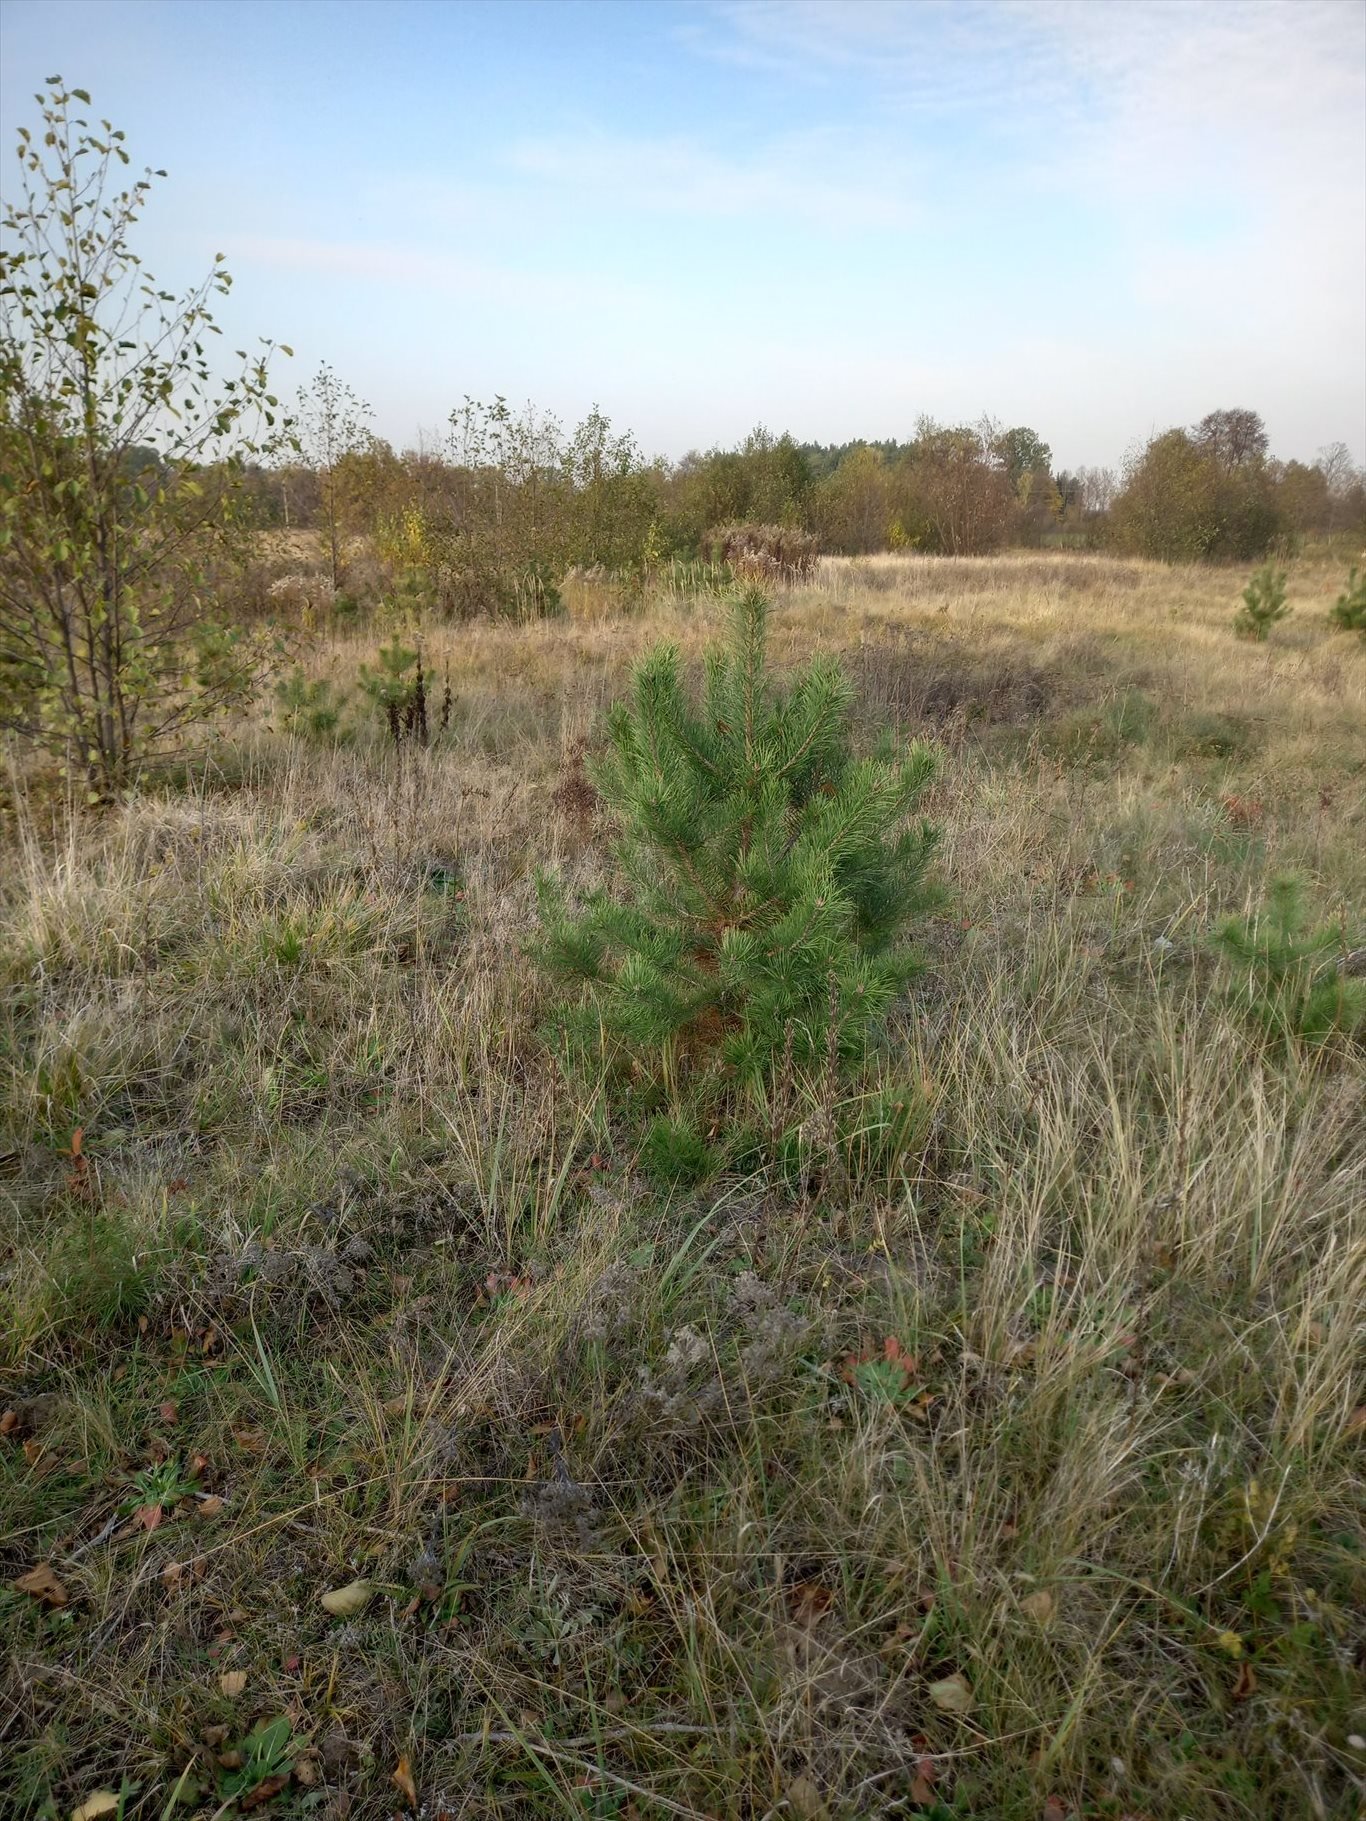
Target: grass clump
x,y
767,873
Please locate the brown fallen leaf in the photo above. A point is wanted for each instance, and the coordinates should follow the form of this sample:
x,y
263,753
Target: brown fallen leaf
x,y
346,1602
1054,1809
1245,1683
1040,1605
102,1802
809,1601
148,1516
169,1412
268,1787
209,1507
41,1583
923,1782
952,1695
232,1682
9,1422
402,1779
805,1800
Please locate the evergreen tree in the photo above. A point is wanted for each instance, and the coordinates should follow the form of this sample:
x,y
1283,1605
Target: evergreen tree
x,y
1288,981
1349,610
1264,603
767,871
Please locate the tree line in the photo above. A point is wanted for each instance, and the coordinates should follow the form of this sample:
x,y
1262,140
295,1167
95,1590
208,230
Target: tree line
x,y
506,478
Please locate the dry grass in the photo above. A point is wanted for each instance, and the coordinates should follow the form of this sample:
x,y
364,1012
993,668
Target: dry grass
x,y
376,1295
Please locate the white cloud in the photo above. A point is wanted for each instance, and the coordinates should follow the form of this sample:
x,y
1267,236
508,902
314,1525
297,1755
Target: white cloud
x,y
813,176
1222,141
438,273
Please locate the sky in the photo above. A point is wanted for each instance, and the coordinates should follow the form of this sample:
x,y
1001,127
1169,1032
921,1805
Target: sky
x,y
1096,217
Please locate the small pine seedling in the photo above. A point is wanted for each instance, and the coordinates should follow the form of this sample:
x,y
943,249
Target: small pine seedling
x,y
1348,612
766,873
308,707
398,689
1264,603
1290,983
389,682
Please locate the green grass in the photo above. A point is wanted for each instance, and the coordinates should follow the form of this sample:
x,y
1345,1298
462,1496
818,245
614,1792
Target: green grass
x,y
344,1282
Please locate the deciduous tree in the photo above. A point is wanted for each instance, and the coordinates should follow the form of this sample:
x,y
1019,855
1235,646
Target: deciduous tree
x,y
121,458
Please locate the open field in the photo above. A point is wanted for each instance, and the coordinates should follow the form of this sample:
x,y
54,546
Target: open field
x,y
1029,1484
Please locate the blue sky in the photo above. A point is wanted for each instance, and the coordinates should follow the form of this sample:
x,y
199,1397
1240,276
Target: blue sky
x,y
1098,217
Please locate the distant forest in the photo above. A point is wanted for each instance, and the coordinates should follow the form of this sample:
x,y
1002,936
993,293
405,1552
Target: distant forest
x,y
1210,492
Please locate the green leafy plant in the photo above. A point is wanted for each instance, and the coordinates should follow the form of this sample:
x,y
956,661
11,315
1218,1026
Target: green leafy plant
x,y
122,462
266,1753
1291,983
158,1488
1348,612
885,1374
1264,603
766,873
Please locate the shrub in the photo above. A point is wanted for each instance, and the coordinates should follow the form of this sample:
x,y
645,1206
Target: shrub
x,y
1348,612
1181,504
764,553
767,872
1264,603
1290,986
304,594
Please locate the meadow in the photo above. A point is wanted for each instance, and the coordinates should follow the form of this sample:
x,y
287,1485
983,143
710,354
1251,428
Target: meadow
x,y
377,1439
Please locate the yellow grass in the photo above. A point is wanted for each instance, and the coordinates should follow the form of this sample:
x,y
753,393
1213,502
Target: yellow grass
x,y
644,1537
